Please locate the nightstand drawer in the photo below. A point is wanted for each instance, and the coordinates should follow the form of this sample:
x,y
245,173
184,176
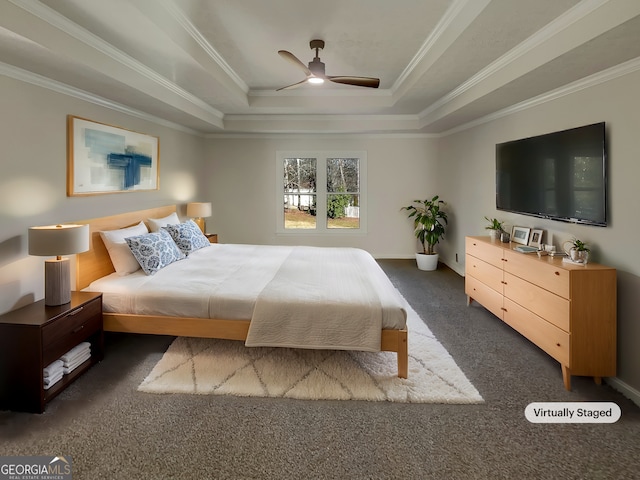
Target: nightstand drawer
x,y
62,334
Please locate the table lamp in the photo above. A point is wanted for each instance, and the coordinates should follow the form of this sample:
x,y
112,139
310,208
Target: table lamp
x,y
58,240
198,211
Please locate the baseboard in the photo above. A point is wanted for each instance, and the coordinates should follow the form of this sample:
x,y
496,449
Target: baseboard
x,y
625,389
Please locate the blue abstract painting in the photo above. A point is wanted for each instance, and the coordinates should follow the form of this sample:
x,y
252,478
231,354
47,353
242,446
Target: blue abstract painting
x,y
106,159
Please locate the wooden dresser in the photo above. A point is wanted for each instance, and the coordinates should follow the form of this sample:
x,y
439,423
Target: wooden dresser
x,y
569,311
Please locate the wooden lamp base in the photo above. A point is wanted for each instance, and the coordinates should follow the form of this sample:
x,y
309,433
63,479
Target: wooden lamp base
x,y
57,281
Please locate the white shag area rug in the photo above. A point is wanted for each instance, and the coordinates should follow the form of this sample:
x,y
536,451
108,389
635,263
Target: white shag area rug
x,y
226,367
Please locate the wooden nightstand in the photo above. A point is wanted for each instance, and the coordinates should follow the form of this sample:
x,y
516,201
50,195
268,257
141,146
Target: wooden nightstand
x,y
34,336
213,237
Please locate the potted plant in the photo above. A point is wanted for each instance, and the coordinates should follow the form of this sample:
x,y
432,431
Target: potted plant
x,y
495,227
577,250
428,220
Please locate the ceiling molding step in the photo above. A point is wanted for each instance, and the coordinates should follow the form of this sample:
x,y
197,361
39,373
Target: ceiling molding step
x,y
565,33
174,23
64,89
169,92
453,23
333,124
195,34
299,136
629,67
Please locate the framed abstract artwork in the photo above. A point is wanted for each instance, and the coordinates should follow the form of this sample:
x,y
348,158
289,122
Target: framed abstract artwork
x,y
102,158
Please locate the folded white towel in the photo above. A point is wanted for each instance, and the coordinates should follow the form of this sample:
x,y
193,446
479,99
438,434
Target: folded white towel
x,y
52,368
50,381
76,351
71,366
77,359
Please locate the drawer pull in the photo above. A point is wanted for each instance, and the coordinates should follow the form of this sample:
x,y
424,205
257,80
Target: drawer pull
x,y
557,273
503,309
75,312
78,329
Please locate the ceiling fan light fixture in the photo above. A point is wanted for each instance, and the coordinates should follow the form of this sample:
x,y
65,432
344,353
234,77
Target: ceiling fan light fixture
x,y
315,72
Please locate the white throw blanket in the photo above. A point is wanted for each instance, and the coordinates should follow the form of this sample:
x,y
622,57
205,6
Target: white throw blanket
x,y
334,305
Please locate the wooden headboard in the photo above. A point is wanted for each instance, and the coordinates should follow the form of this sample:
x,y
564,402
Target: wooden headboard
x,y
95,263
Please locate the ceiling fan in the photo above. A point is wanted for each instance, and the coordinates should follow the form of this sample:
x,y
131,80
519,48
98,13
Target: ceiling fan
x,y
315,72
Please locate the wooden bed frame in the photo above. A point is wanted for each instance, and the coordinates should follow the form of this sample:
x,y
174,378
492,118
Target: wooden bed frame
x,y
95,263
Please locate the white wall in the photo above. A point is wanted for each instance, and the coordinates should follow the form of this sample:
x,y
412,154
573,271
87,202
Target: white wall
x,y
240,178
467,165
33,161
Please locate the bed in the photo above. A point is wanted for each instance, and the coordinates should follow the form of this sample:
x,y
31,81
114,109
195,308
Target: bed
x,y
247,302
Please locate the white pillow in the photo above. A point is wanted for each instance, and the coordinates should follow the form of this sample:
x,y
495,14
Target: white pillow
x,y
156,224
123,260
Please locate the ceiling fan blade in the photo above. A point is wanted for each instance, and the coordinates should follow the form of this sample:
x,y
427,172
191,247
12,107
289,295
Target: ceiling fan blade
x,y
290,57
357,81
293,85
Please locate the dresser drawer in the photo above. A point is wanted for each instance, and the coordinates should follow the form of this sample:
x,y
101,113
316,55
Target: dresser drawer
x,y
485,296
551,307
485,272
541,272
487,252
548,337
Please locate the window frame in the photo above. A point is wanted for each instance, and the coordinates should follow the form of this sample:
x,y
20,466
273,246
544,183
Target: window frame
x,y
321,157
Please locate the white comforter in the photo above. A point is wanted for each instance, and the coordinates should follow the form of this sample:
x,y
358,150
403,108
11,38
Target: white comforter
x,y
307,297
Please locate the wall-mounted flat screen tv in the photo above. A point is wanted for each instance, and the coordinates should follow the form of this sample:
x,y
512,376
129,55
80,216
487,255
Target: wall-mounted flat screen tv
x,y
561,175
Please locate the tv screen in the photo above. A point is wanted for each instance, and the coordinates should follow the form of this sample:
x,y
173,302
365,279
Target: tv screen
x,y
560,176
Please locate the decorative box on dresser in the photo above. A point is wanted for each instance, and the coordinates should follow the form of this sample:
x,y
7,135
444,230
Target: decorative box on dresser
x,y
36,335
567,310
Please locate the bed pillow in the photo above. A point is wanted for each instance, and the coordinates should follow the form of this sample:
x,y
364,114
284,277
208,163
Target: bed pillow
x,y
188,236
121,257
156,224
154,251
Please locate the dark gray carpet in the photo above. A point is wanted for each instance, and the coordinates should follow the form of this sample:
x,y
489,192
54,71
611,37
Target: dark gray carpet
x,y
114,432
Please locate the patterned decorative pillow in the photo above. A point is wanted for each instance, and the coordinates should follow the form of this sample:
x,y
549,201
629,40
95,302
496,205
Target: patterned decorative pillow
x,y
154,251
188,236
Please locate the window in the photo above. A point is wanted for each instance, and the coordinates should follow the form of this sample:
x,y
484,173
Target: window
x,y
321,192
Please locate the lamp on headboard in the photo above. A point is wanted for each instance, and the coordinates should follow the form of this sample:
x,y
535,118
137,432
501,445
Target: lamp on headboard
x,y
58,240
198,211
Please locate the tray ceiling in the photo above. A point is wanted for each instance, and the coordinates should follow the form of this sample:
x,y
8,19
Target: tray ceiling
x,y
213,67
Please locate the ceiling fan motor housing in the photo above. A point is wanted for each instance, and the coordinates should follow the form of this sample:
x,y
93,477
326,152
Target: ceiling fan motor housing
x,y
317,67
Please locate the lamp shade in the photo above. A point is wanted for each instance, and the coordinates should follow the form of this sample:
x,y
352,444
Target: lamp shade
x,y
56,240
198,209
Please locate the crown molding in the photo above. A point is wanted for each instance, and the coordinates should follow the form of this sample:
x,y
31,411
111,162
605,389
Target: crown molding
x,y
179,16
59,87
63,24
451,18
559,24
630,66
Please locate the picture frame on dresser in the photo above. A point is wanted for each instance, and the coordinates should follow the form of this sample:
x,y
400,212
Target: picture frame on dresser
x,y
520,235
535,239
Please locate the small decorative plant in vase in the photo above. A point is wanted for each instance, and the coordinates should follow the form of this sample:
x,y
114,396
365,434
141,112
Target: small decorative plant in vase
x,y
577,250
495,227
428,220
